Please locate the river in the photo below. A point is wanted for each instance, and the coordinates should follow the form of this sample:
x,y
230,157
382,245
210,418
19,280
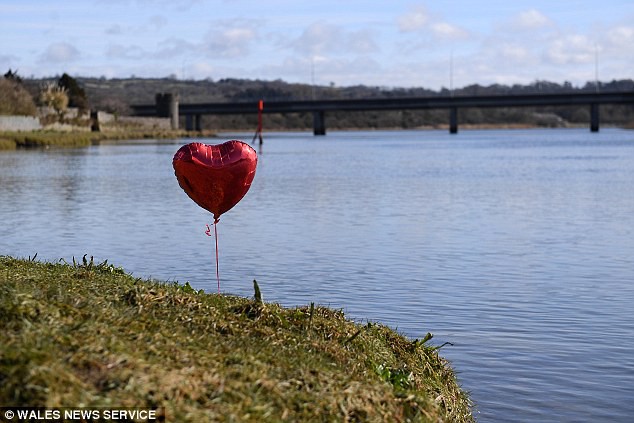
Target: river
x,y
515,246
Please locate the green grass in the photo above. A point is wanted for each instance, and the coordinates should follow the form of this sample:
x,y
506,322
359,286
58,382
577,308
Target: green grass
x,y
88,334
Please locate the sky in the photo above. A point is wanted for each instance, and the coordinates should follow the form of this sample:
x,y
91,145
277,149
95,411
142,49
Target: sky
x,y
388,43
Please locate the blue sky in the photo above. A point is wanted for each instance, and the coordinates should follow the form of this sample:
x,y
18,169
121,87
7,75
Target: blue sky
x,y
346,42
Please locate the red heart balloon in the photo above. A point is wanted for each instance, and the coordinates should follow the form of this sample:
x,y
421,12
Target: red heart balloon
x,y
216,177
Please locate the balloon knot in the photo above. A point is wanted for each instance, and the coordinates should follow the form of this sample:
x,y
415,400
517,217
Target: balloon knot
x,y
216,220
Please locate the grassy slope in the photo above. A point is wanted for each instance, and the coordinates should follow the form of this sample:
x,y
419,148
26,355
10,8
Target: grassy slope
x,y
89,334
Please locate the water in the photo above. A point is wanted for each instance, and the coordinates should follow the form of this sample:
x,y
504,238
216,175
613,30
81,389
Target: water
x,y
515,246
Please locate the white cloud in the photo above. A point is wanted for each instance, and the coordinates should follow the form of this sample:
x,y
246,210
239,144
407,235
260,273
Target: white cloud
x,y
152,24
201,68
60,53
531,46
326,39
621,37
517,54
229,43
418,20
448,31
343,70
318,38
175,47
531,19
361,41
119,51
403,43
571,49
413,20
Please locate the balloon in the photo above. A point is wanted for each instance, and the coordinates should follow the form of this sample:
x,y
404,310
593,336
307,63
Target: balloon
x,y
216,177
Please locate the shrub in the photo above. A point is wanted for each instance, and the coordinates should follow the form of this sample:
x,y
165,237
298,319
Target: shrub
x,y
76,94
54,96
15,99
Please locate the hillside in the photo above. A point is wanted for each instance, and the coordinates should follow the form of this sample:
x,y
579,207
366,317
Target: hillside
x,y
116,95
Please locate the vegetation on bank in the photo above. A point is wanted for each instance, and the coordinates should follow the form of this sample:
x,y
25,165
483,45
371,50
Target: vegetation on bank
x,y
116,96
35,139
88,334
14,98
54,98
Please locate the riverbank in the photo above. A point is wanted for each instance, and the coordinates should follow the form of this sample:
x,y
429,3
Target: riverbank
x,y
89,334
35,139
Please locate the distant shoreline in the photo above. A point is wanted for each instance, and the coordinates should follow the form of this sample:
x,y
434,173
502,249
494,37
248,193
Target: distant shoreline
x,y
38,139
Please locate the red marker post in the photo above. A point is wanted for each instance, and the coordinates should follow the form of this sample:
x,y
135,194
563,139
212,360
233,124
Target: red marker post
x,y
258,131
260,109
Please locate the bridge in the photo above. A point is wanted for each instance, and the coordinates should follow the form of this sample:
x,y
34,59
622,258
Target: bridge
x,y
167,106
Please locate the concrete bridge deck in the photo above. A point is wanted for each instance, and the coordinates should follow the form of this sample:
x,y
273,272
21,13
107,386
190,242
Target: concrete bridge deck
x,y
319,108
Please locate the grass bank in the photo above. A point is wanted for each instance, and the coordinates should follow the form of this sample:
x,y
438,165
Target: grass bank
x,y
89,334
35,139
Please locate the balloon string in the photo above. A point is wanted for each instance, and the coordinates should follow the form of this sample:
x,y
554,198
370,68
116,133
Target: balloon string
x,y
216,236
208,233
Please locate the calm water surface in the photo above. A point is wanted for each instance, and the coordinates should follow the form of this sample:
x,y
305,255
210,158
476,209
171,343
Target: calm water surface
x,y
515,246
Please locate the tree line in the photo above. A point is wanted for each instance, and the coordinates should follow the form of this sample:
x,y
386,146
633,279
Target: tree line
x,y
118,94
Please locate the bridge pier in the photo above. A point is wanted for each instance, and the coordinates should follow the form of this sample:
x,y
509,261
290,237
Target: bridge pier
x,y
319,122
453,120
193,122
594,117
167,106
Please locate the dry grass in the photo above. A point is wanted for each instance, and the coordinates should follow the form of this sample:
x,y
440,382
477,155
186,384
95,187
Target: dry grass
x,y
6,144
36,139
88,334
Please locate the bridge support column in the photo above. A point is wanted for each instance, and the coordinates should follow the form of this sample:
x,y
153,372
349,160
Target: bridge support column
x,y
189,122
198,122
453,120
594,117
167,106
319,123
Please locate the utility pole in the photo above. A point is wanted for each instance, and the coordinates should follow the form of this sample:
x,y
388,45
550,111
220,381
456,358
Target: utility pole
x,y
312,77
596,67
451,73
